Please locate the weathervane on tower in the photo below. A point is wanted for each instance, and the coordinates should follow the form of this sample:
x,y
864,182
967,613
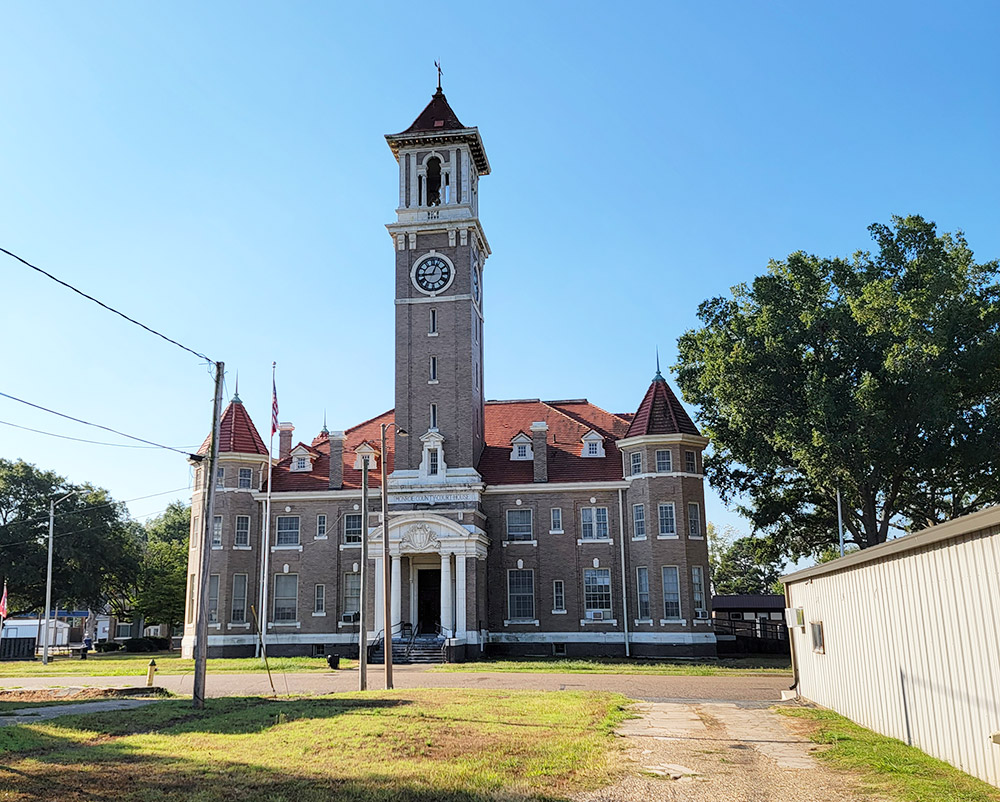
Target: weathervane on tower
x,y
438,65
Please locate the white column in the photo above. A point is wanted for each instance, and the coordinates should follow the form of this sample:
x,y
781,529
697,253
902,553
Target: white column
x,y
465,177
395,601
379,607
413,179
453,173
460,595
447,622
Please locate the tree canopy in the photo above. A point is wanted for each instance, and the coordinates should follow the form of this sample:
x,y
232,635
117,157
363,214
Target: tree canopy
x,y
159,592
96,546
878,374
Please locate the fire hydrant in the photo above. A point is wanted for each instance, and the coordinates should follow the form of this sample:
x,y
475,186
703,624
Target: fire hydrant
x,y
149,673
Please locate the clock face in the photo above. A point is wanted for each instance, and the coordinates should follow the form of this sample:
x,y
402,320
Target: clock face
x,y
475,284
433,274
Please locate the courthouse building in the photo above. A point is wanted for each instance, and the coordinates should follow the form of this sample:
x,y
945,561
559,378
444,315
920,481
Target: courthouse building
x,y
515,527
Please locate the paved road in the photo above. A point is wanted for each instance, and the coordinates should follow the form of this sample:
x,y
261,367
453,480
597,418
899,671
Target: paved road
x,y
752,691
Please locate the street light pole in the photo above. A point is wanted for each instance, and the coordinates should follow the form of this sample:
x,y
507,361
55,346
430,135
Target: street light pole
x,y
386,572
48,577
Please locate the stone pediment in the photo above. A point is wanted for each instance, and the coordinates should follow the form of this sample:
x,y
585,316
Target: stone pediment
x,y
419,537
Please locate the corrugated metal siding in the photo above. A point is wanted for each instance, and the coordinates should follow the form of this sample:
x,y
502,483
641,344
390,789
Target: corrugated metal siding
x,y
912,647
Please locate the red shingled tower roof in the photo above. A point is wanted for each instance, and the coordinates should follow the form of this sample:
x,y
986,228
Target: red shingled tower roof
x,y
660,412
437,116
237,432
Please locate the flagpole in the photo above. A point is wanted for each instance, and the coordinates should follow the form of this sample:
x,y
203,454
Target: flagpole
x,y
265,547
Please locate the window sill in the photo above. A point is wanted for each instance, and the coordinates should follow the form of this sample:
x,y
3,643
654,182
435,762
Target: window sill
x,y
321,537
241,548
667,537
673,621
606,540
342,624
216,625
557,532
287,548
696,537
639,539
432,381
432,334
506,543
216,547
320,615
558,612
639,622
295,624
350,546
238,626
520,622
585,622
705,621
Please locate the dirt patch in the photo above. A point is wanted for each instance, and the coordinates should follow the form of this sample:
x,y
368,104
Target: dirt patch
x,y
78,694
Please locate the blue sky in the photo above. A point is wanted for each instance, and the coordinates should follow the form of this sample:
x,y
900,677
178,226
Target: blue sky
x,y
219,172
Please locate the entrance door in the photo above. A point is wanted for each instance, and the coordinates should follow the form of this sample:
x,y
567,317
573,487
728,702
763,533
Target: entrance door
x,y
428,600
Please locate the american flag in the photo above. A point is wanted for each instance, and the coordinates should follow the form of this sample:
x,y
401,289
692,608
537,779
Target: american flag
x,y
274,408
3,603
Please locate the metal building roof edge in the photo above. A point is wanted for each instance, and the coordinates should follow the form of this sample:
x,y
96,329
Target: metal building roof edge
x,y
967,524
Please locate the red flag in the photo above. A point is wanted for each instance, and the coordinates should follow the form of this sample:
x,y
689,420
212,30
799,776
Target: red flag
x,y
3,603
274,408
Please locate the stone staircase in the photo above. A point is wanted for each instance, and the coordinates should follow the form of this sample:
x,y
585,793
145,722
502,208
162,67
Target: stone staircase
x,y
425,649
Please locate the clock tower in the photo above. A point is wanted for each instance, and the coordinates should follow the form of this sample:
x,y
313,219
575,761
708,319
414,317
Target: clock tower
x,y
440,251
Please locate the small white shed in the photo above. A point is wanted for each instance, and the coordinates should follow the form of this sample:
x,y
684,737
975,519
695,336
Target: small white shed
x,y
31,628
904,638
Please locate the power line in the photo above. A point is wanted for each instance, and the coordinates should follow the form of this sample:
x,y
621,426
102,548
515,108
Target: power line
x,y
105,306
42,537
96,507
99,426
76,439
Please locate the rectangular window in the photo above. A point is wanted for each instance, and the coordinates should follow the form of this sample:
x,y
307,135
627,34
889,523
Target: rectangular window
x,y
190,605
434,416
521,594
639,521
597,591
352,593
642,591
288,530
636,462
594,523
434,368
664,461
123,631
242,536
592,449
816,630
694,520
690,462
246,478
352,528
432,329
239,612
213,598
698,591
432,462
556,519
320,526
319,600
518,524
671,592
522,451
668,525
286,597
196,533
216,531
220,477
300,464
558,597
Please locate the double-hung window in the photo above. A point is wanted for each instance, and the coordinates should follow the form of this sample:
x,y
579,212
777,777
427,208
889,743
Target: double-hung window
x,y
518,524
521,594
217,532
694,520
238,615
597,592
668,524
639,521
246,478
213,598
242,535
698,591
671,593
642,591
558,596
664,462
352,527
594,523
690,462
556,519
319,599
636,459
320,526
288,530
352,593
220,478
286,597
432,462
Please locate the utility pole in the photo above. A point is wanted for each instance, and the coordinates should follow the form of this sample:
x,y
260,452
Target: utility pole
x,y
362,618
387,608
201,628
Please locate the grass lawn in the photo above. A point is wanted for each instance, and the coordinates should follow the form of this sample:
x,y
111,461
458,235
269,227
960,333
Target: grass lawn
x,y
116,664
412,746
890,767
618,665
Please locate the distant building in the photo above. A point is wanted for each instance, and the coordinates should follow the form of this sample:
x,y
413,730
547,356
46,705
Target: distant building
x,y
517,527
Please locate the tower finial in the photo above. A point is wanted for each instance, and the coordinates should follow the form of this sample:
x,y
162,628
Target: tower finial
x,y
236,392
659,376
438,65
324,430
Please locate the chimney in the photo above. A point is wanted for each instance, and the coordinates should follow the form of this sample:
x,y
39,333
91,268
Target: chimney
x,y
540,450
336,460
285,439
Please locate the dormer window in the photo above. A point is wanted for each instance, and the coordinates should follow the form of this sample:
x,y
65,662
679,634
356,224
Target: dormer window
x,y
302,460
366,449
521,448
593,445
432,464
300,464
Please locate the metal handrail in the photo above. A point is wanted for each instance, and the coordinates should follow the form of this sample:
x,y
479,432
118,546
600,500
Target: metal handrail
x,y
373,646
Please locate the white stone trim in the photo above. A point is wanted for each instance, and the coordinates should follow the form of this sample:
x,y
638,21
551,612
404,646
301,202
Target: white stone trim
x,y
506,543
662,439
608,541
516,622
595,621
663,638
552,487
664,475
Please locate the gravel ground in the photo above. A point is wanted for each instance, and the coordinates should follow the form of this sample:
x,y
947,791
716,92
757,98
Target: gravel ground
x,y
683,752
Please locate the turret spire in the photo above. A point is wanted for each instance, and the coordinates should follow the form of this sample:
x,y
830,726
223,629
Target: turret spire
x,y
659,376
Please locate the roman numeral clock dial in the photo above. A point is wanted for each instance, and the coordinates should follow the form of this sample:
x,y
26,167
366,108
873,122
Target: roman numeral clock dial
x,y
432,274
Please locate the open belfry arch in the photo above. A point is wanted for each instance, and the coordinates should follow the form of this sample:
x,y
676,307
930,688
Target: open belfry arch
x,y
519,527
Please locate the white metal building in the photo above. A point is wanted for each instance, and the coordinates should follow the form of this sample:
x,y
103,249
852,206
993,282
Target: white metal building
x,y
903,639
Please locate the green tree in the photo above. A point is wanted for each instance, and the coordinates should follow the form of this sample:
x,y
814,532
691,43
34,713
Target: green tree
x,y
879,375
95,545
749,565
159,593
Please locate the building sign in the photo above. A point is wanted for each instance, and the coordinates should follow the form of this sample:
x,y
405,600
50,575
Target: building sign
x,y
432,498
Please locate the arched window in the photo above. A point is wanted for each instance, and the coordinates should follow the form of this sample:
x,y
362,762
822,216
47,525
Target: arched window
x,y
434,181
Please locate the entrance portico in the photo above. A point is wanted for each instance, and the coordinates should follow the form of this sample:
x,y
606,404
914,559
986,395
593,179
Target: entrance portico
x,y
433,553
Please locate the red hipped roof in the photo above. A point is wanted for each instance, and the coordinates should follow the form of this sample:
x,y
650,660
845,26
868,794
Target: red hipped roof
x,y
237,434
660,413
